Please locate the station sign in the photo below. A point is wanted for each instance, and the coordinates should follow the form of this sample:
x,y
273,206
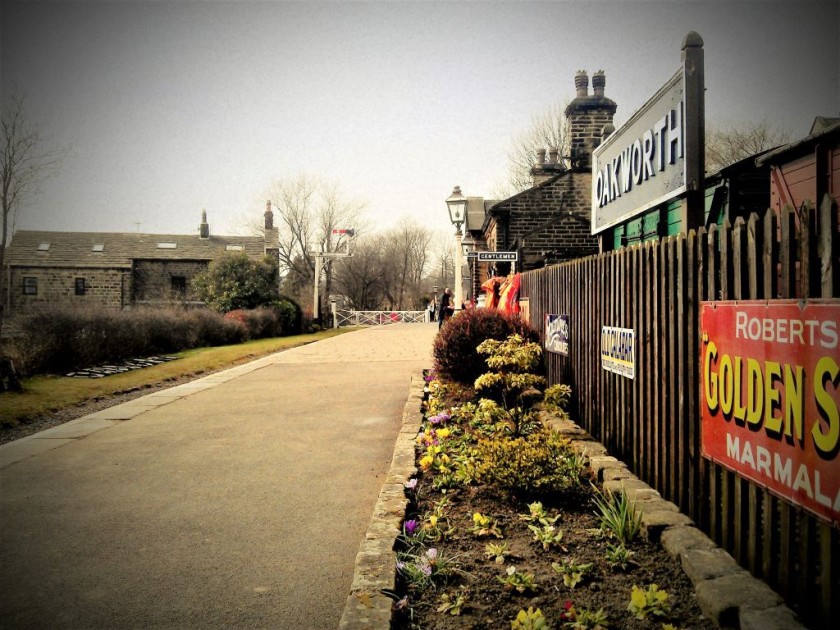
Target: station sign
x,y
642,164
656,156
770,397
497,256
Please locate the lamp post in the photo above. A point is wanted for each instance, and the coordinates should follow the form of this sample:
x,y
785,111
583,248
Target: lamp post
x,y
468,245
456,203
434,301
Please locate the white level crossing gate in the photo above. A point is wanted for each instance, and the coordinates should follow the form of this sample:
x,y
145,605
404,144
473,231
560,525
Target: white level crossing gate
x,y
379,318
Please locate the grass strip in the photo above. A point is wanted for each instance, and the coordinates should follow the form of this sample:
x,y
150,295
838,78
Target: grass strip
x,y
49,393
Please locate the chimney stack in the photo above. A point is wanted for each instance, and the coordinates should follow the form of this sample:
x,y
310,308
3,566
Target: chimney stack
x,y
204,228
269,216
587,116
543,169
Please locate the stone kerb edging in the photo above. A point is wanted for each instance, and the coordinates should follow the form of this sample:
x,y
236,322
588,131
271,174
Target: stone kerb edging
x,y
366,607
727,594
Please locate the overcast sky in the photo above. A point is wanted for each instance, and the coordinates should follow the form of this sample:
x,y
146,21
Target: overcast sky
x,y
167,108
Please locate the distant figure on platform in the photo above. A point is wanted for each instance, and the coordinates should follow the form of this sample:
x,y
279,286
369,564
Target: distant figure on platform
x,y
446,308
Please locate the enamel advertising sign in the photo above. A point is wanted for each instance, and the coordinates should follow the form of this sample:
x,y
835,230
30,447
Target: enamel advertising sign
x,y
770,397
557,334
618,351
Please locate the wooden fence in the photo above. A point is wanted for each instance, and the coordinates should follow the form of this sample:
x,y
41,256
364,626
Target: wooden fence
x,y
652,422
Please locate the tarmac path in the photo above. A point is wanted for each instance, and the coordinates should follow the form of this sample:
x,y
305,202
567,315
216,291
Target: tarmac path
x,y
235,501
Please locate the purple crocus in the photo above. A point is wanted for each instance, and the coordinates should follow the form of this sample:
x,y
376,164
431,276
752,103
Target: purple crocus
x,y
411,484
410,526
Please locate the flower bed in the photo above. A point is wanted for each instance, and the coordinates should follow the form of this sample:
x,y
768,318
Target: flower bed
x,y
505,528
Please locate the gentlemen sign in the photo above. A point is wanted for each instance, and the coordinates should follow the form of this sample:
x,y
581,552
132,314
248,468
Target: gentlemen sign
x,y
771,397
498,256
657,154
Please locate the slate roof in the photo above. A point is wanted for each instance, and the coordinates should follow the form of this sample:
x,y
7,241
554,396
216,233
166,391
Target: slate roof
x,y
76,249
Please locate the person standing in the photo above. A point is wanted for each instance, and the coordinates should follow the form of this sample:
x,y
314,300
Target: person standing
x,y
446,307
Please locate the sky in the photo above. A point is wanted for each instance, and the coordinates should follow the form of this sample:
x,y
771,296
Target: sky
x,y
164,109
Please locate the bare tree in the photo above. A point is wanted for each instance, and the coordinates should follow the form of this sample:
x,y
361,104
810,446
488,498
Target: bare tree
x,y
25,163
359,278
727,144
547,130
307,210
442,268
405,257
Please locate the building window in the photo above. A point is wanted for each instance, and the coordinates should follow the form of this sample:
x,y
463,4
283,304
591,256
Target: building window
x,y
30,286
179,285
44,247
99,247
234,248
167,245
80,286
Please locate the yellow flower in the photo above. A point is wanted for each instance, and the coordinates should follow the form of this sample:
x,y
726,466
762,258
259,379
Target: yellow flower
x,y
426,462
480,520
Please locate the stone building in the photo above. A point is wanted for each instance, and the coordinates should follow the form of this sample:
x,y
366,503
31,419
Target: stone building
x,y
550,222
118,270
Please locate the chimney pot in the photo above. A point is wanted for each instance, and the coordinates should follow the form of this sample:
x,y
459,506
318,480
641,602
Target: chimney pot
x,y
553,156
540,157
582,84
599,80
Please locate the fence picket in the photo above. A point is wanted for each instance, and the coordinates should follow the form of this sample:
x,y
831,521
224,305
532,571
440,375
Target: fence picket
x,y
653,421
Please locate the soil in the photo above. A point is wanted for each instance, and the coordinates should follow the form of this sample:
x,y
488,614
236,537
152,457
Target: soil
x,y
490,605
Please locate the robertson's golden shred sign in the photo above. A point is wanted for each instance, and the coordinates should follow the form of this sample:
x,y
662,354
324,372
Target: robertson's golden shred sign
x,y
771,397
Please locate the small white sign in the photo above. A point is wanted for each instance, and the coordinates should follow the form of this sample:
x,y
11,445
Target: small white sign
x,y
498,256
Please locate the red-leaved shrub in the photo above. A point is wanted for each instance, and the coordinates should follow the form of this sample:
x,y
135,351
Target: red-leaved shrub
x,y
455,346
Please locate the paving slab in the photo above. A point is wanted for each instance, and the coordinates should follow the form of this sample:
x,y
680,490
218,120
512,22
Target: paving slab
x,y
16,451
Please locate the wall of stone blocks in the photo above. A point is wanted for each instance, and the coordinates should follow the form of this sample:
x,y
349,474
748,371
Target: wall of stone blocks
x,y
103,287
565,239
153,279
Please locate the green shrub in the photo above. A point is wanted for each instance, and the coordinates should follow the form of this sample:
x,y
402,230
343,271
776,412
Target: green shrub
x,y
235,281
290,316
455,348
538,464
